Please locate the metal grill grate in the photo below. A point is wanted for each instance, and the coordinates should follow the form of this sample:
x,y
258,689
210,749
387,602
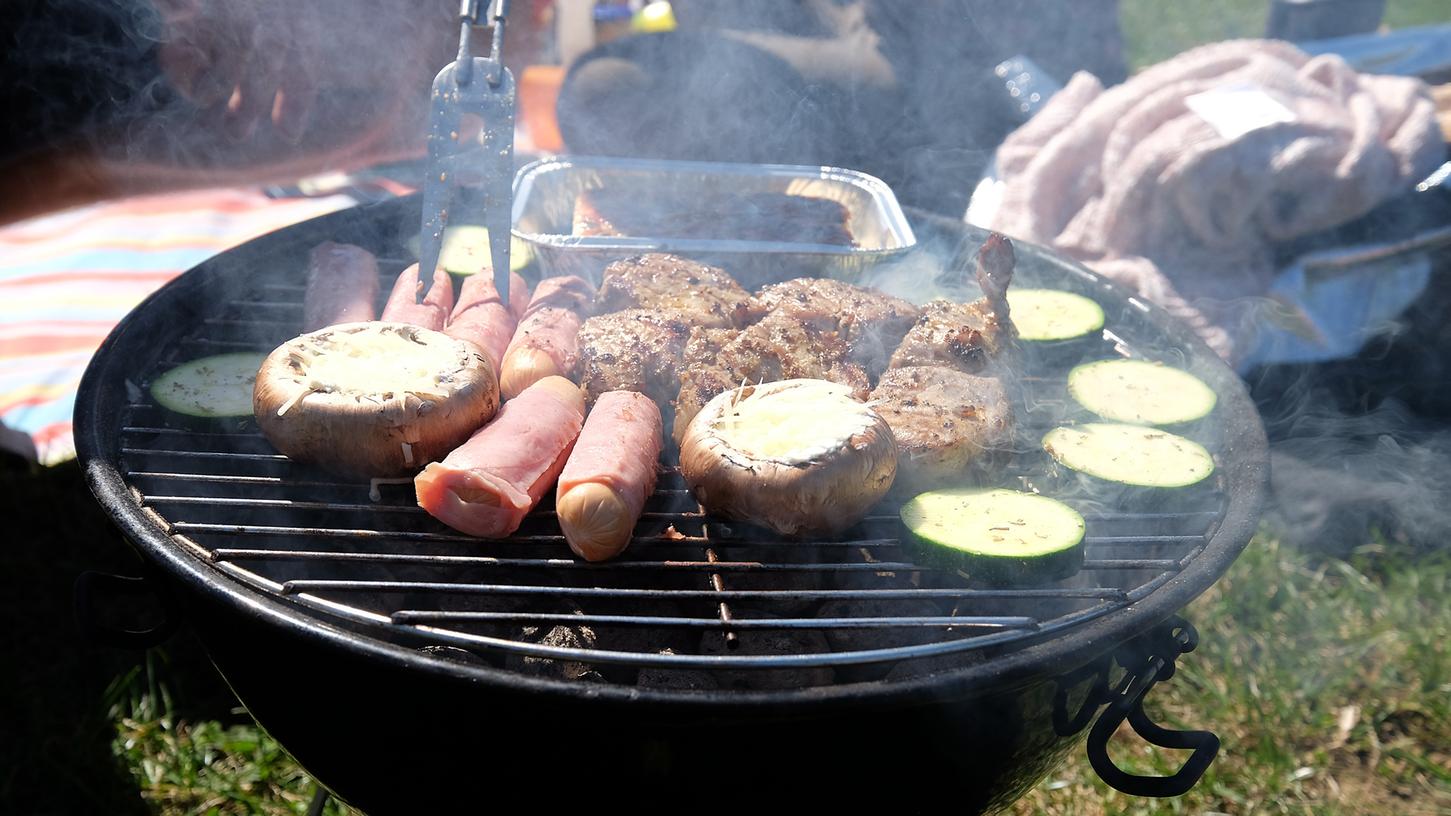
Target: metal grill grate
x,y
692,592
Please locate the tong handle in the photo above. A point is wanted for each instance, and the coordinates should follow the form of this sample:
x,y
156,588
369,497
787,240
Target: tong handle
x,y
468,18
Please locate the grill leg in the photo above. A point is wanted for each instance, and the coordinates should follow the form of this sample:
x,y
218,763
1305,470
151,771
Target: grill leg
x,y
319,801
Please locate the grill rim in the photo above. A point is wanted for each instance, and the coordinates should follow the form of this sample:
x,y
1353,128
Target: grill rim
x,y
98,446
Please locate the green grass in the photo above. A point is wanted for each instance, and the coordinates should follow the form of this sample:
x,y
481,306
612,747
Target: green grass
x,y
203,766
1329,682
1155,30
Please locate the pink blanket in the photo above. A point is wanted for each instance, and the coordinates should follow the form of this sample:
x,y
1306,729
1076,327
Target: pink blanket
x,y
1178,182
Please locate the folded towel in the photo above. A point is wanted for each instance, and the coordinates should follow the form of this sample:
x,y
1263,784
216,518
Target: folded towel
x,y
1178,182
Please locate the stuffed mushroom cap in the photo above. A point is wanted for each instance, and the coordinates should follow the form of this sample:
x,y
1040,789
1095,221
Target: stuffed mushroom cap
x,y
801,457
375,399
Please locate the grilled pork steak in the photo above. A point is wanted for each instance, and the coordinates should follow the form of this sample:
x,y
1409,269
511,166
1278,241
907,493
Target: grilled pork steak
x,y
964,336
633,350
701,214
703,295
783,346
872,323
948,425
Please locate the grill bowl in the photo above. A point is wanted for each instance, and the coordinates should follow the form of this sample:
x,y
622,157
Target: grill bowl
x,y
378,678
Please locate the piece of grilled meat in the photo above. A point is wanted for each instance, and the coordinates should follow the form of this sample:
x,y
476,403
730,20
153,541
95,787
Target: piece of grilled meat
x,y
782,346
964,336
952,428
763,216
967,336
702,295
632,350
871,323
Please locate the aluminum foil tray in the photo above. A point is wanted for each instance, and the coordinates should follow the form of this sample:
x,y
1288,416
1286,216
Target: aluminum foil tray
x,y
545,192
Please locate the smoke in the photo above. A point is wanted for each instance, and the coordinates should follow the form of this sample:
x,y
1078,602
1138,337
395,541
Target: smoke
x,y
1360,448
71,66
182,93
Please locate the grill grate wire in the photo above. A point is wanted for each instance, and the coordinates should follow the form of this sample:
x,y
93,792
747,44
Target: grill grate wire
x,y
387,567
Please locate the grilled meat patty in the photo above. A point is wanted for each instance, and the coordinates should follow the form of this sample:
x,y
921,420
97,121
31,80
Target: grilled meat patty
x,y
783,346
949,425
632,350
703,295
872,323
964,336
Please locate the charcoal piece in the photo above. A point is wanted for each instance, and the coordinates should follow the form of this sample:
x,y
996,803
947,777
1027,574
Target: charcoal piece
x,y
571,636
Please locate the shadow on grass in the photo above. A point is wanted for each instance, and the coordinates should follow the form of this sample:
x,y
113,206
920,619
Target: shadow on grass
x,y
56,729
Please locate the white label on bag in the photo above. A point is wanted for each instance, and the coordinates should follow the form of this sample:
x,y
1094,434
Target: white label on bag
x,y
1234,110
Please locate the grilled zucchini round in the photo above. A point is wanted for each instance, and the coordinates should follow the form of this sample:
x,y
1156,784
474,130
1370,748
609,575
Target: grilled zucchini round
x,y
995,535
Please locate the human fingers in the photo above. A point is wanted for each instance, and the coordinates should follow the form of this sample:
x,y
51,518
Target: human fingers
x,y
255,96
295,99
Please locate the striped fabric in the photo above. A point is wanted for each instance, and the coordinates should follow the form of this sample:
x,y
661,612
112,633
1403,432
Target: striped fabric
x,y
66,279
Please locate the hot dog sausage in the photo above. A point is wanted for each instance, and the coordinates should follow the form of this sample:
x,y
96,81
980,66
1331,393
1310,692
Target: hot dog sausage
x,y
610,474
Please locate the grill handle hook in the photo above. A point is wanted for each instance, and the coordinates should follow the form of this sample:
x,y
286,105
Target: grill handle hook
x,y
1126,703
94,590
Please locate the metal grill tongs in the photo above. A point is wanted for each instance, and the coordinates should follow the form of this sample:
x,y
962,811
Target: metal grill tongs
x,y
462,167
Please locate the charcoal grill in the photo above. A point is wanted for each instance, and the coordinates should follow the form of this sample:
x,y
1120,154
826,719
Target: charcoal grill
x,y
412,669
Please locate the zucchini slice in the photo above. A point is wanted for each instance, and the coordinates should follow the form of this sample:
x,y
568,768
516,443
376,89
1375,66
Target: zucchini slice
x,y
210,387
1140,392
1130,454
466,250
996,535
1045,315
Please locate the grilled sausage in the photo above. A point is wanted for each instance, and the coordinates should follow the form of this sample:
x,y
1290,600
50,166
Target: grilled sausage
x,y
546,343
432,313
611,472
342,283
488,484
518,295
481,318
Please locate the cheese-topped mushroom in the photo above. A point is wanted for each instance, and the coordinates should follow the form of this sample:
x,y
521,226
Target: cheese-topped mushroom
x,y
373,399
798,456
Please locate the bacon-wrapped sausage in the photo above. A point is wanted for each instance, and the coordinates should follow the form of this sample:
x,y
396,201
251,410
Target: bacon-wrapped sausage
x,y
611,472
546,342
481,318
518,295
432,313
342,283
488,484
